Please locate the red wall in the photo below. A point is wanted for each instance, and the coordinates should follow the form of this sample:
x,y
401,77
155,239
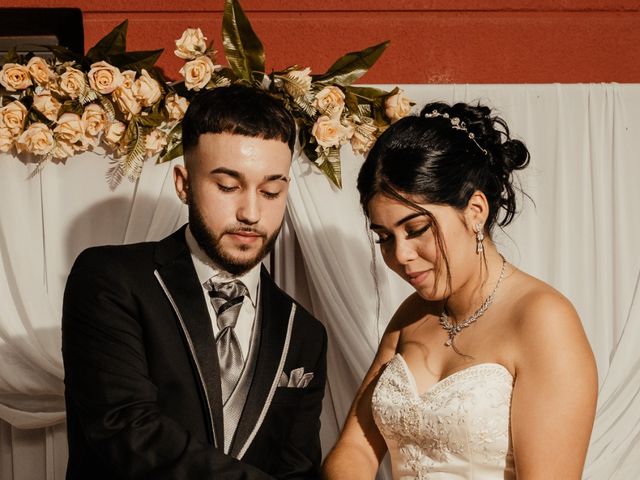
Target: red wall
x,y
432,41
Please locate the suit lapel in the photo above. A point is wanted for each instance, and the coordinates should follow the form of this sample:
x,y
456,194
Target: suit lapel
x,y
179,280
276,311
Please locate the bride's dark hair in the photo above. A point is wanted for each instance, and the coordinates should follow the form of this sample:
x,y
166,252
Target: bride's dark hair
x,y
442,156
426,158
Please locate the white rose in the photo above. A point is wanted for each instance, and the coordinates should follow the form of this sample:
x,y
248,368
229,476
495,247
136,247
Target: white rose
x,y
94,119
71,130
72,82
46,104
176,106
330,101
191,44
397,106
147,90
329,132
104,78
12,116
197,73
37,139
124,95
6,139
114,133
14,76
40,71
154,142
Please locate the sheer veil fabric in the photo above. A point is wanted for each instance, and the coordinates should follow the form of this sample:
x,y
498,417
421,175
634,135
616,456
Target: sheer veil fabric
x,y
580,236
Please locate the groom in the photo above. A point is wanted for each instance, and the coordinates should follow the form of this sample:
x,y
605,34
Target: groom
x,y
183,359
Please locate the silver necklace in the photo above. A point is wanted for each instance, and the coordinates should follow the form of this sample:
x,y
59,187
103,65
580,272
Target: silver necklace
x,y
454,330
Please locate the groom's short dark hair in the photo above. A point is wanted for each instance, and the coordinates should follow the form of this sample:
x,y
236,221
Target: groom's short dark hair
x,y
239,110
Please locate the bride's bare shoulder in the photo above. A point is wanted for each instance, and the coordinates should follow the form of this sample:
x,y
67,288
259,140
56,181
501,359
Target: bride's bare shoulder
x,y
543,318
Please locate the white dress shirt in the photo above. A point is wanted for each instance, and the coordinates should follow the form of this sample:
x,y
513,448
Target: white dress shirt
x,y
206,270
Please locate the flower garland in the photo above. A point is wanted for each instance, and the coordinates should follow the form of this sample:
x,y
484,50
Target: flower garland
x,y
118,102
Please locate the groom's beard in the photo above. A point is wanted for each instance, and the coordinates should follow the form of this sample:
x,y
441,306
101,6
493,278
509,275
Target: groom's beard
x,y
210,243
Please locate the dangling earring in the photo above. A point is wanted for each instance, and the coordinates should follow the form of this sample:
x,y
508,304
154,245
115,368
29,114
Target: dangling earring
x,y
479,239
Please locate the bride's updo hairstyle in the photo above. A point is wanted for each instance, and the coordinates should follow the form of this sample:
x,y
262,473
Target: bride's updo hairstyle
x,y
442,156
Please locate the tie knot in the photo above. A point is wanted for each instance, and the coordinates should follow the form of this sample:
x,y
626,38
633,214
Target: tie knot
x,y
228,290
227,299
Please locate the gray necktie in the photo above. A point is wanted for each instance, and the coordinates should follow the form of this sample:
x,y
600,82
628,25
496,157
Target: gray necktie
x,y
227,300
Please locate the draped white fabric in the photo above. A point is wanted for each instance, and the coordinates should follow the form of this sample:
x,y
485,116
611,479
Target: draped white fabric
x,y
579,236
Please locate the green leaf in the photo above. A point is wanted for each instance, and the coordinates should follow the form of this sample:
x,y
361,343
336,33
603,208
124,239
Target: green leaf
x,y
242,47
11,56
64,54
368,93
113,43
352,66
135,60
332,171
171,153
152,120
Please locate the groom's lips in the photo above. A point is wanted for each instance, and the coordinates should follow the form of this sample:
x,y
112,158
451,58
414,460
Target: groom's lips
x,y
245,236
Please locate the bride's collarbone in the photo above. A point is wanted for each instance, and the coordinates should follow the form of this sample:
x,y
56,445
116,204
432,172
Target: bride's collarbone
x,y
430,361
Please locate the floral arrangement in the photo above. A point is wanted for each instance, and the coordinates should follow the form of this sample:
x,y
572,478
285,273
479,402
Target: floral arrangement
x,y
118,102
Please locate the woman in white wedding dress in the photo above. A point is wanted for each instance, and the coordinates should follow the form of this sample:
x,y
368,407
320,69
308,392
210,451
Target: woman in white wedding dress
x,y
484,373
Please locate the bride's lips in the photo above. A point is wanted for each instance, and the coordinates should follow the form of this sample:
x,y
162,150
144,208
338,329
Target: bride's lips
x,y
416,278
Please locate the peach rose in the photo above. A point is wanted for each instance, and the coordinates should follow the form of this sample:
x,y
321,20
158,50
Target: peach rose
x,y
14,76
124,95
12,116
104,78
62,150
147,90
114,133
72,82
94,119
154,142
329,132
70,129
330,101
176,106
37,139
47,104
363,138
6,139
397,106
40,71
197,73
191,44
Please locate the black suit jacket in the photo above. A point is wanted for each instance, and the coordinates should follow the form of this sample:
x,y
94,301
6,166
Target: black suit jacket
x,y
142,377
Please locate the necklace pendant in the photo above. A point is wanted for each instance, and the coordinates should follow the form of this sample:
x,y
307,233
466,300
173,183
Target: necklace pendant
x,y
448,342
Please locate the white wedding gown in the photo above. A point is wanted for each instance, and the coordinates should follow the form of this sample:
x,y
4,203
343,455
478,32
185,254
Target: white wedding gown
x,y
458,429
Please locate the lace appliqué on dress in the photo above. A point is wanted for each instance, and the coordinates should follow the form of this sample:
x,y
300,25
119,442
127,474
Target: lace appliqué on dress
x,y
460,425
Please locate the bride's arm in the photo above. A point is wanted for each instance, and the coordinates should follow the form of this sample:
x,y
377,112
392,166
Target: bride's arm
x,y
360,448
555,391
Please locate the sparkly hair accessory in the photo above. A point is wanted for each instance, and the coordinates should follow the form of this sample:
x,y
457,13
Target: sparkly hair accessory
x,y
457,124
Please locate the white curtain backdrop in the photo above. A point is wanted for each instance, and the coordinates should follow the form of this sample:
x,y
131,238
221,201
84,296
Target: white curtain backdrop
x,y
579,235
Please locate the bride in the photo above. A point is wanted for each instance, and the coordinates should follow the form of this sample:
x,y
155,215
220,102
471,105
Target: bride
x,y
484,372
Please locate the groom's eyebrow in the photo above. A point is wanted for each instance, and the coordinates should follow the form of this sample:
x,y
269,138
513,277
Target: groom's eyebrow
x,y
411,216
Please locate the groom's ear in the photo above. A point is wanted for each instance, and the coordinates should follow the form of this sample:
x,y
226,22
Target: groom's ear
x,y
477,210
181,182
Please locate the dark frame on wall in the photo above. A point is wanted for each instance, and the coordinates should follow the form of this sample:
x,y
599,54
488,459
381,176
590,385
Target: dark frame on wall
x,y
32,29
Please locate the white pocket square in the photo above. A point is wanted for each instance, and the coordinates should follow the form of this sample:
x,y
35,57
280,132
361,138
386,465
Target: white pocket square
x,y
296,379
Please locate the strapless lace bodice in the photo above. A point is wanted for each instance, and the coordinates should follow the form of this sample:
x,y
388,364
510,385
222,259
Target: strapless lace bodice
x,y
458,429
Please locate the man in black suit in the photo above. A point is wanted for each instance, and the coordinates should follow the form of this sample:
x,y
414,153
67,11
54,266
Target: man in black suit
x,y
183,359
